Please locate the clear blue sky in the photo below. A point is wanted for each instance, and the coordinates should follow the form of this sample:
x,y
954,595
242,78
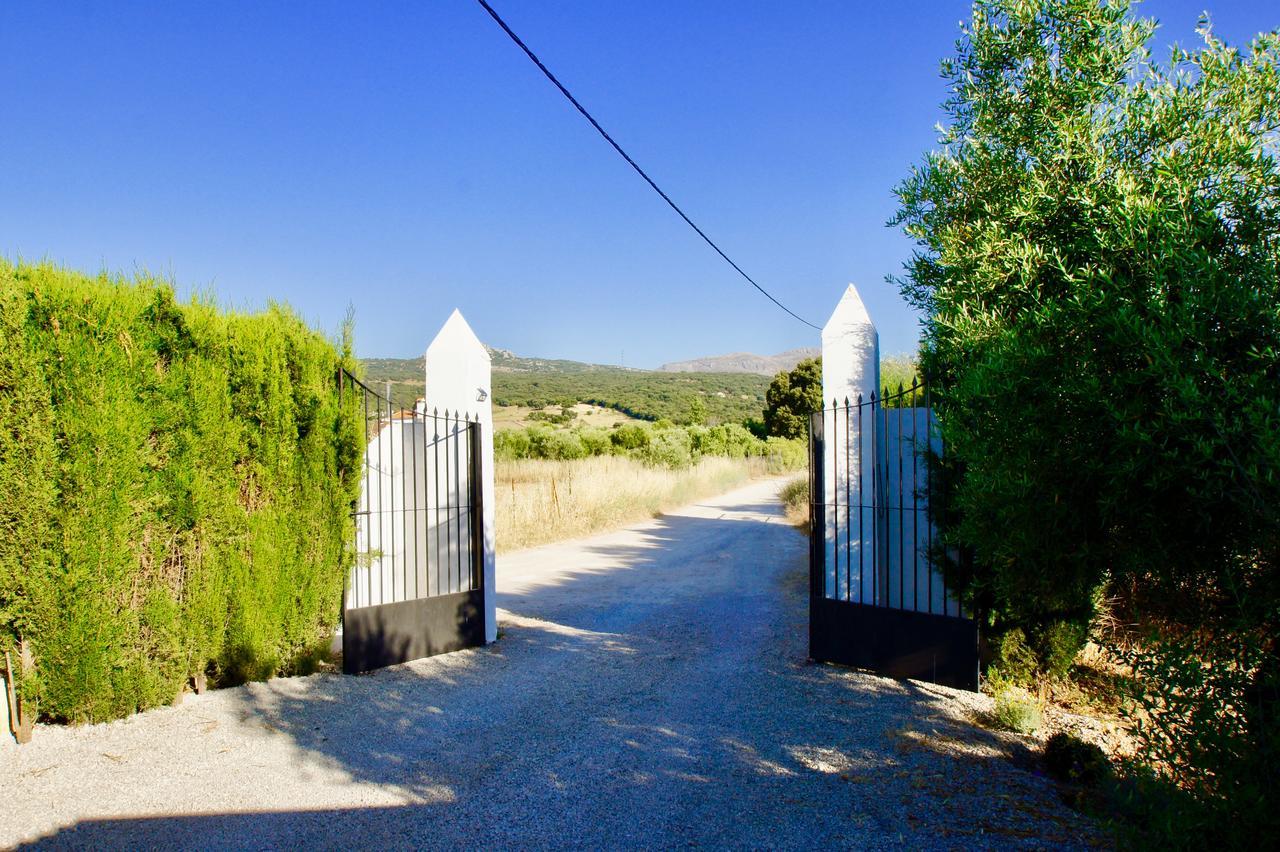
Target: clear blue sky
x,y
405,158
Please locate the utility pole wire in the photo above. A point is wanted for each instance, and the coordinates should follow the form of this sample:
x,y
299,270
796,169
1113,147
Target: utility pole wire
x,y
552,77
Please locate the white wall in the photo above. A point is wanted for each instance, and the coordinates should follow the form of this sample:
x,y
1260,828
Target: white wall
x,y
906,437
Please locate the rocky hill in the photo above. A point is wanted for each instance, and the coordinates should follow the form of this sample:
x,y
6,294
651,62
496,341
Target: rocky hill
x,y
743,362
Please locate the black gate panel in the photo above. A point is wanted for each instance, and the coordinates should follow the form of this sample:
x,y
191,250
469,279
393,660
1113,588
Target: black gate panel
x,y
876,600
388,634
417,586
898,643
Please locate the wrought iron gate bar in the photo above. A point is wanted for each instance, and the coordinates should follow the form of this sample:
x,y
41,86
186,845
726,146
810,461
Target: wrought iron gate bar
x,y
410,592
887,632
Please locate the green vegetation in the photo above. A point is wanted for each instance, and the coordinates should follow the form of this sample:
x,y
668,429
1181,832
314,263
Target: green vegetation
x,y
792,396
661,444
1016,710
709,398
1099,265
175,490
795,499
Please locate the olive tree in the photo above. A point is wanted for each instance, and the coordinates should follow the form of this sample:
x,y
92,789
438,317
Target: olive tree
x,y
1098,263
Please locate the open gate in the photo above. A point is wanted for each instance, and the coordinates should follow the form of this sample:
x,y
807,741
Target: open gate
x,y
877,600
417,586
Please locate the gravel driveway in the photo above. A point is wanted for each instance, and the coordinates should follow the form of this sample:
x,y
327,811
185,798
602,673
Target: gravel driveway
x,y
649,688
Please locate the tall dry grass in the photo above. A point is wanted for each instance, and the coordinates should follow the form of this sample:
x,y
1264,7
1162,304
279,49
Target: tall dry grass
x,y
540,501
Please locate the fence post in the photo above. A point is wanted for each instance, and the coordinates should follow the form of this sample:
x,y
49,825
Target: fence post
x,y
817,510
458,378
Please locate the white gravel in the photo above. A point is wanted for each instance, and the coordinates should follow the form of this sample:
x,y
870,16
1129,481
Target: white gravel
x,y
649,689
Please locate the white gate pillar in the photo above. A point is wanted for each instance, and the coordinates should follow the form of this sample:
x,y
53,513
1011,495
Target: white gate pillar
x,y
458,378
850,367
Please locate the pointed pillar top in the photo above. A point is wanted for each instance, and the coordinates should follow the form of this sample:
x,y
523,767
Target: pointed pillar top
x,y
850,313
456,335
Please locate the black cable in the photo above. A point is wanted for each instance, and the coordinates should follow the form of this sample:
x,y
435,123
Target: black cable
x,y
631,162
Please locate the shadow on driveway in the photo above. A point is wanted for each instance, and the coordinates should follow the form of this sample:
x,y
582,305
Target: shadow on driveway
x,y
655,694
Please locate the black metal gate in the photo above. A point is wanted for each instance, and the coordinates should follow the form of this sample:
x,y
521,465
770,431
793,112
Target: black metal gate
x,y
417,585
877,600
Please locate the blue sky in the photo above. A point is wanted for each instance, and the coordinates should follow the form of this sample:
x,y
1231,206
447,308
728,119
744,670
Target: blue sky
x,y
406,159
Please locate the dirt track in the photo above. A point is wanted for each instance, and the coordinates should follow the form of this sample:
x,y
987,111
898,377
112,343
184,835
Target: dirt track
x,y
649,688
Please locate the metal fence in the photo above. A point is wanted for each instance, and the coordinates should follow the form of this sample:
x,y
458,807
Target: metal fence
x,y
880,539
417,519
879,596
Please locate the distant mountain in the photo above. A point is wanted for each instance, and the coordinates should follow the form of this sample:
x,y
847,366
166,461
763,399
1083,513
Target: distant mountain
x,y
506,361
503,361
725,397
743,362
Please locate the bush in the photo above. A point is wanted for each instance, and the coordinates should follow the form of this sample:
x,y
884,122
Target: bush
x,y
1013,662
1058,644
596,442
671,448
566,415
787,453
1017,711
555,444
1071,760
1209,742
629,436
795,494
662,444
511,444
176,485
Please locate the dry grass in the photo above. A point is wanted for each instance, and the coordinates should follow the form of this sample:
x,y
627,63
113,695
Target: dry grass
x,y
795,497
517,416
541,501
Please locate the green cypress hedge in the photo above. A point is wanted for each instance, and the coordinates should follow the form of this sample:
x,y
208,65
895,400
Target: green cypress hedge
x,y
176,485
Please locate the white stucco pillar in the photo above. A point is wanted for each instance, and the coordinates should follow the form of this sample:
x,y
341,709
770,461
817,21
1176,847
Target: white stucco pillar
x,y
458,378
850,367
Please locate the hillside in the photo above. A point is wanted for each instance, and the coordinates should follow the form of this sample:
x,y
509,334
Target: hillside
x,y
743,362
645,394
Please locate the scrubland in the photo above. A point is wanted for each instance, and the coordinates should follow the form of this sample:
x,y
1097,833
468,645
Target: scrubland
x,y
539,500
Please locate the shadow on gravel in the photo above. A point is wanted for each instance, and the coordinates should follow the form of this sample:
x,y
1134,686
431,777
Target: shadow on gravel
x,y
659,696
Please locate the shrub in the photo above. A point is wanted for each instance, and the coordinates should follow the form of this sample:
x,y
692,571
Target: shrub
x,y
731,440
1208,740
511,444
1058,644
1014,662
659,444
555,444
176,485
1073,761
1017,711
630,436
795,494
596,442
787,454
671,448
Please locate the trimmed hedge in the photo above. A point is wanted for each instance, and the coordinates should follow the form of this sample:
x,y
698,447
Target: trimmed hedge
x,y
175,490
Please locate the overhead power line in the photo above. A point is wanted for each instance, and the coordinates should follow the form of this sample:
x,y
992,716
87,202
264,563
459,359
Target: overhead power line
x,y
580,108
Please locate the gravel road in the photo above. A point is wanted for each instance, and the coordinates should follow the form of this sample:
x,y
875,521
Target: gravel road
x,y
649,689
